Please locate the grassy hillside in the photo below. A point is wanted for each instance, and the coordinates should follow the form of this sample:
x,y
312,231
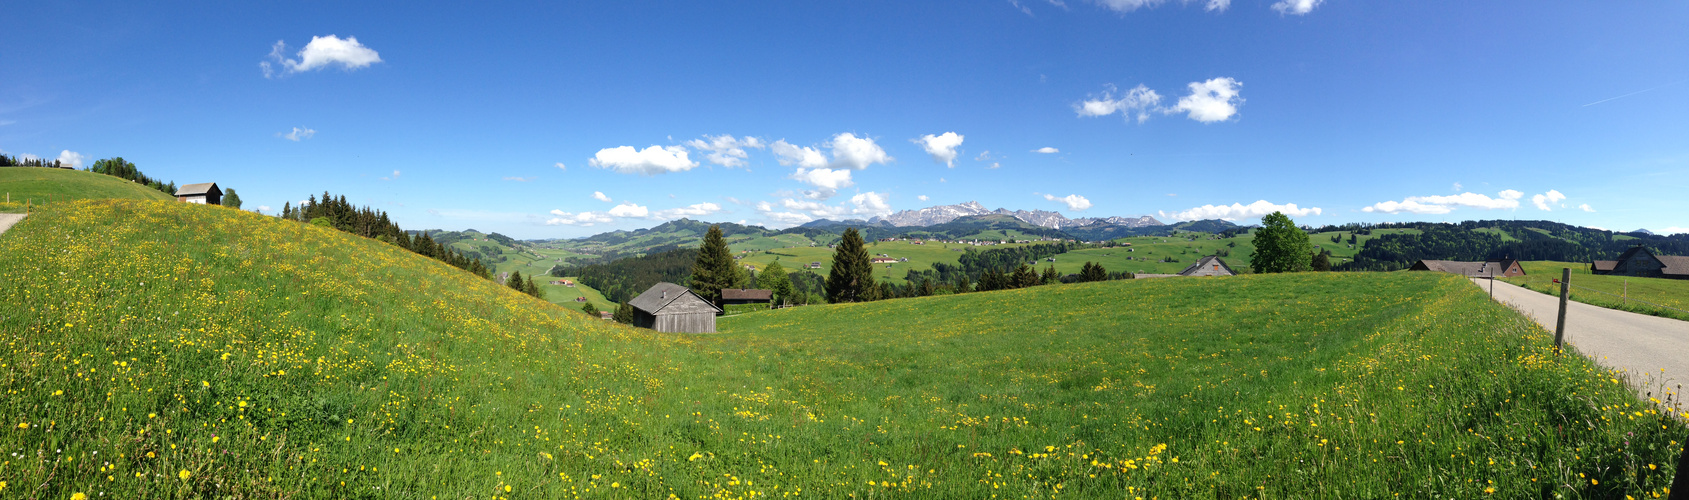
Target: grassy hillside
x,y
1641,295
159,349
30,186
1340,385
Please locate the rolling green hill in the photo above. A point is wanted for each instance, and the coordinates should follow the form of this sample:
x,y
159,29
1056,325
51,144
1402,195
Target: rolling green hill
x,y
158,349
33,186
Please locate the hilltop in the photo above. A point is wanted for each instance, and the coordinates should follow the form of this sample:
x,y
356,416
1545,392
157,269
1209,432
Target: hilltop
x,y
36,186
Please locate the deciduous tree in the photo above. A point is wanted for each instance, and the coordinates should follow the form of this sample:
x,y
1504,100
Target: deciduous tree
x,y
1280,246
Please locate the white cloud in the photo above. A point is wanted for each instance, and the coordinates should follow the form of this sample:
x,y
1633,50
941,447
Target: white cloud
x,y
298,134
1139,100
581,219
1585,207
561,166
1296,7
826,180
263,208
1046,150
983,155
1546,200
1211,101
396,176
785,218
871,204
1237,211
71,159
600,196
1674,230
921,197
942,147
995,165
725,150
804,157
857,153
697,210
653,160
1506,199
1073,201
1457,186
629,210
520,179
322,52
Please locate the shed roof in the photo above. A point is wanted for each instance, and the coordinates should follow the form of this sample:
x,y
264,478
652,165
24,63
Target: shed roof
x,y
198,189
660,295
1204,262
1676,265
1605,265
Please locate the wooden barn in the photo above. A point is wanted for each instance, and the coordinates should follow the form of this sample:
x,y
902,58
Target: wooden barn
x,y
1486,269
746,296
1640,262
1208,266
668,307
205,193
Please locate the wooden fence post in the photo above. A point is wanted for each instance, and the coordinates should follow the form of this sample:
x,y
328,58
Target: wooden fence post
x,y
1560,324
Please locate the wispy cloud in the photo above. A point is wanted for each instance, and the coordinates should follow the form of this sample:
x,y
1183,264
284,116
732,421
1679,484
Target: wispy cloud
x,y
520,179
298,134
1547,200
1296,7
600,196
1046,150
391,177
1507,199
725,150
1238,211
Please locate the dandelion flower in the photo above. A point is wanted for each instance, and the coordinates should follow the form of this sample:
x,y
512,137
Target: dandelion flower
x,y
184,474
78,496
23,425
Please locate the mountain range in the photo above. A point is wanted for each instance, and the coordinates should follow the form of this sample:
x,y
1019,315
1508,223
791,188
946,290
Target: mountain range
x,y
945,213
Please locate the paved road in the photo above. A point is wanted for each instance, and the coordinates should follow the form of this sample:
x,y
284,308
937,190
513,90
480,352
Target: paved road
x,y
1636,343
6,221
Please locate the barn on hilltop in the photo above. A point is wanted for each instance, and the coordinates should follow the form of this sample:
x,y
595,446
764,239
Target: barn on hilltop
x,y
205,193
667,307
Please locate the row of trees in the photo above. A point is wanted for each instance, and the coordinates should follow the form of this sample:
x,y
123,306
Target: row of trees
x,y
337,213
123,169
525,285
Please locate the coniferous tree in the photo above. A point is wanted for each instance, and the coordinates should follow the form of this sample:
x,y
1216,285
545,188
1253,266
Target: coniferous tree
x,y
715,269
1093,272
852,276
1051,277
590,310
515,281
623,314
533,288
1024,276
1321,262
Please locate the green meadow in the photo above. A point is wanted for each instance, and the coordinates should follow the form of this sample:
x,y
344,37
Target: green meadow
x,y
24,187
162,350
1639,295
921,257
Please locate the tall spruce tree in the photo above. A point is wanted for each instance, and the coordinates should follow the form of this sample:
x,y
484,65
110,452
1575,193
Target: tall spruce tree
x,y
623,314
715,269
852,276
515,282
1281,247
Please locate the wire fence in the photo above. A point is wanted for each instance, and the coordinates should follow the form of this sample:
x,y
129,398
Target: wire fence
x,y
1628,299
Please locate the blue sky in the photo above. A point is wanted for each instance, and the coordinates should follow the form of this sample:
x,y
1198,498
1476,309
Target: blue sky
x,y
548,120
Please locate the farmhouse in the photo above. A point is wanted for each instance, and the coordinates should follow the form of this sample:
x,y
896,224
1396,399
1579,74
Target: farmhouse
x,y
1208,266
668,307
884,260
1502,268
744,296
205,193
1640,262
815,265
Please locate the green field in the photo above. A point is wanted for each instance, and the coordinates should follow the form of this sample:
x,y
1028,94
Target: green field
x,y
1641,295
157,349
565,295
921,257
25,187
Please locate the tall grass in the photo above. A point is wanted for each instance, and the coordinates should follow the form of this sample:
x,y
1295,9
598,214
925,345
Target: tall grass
x,y
1638,295
154,350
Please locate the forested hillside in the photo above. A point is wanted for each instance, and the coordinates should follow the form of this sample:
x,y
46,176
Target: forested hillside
x,y
1499,239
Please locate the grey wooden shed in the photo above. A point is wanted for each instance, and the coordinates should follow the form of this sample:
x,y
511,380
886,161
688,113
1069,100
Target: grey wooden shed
x,y
668,307
1208,266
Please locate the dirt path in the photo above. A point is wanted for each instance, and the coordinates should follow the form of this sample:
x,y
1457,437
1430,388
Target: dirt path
x,y
1654,350
6,221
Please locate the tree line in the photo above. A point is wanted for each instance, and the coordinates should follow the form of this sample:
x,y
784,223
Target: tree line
x,y
335,212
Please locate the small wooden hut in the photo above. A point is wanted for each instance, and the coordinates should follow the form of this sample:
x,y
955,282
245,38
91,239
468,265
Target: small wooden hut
x,y
205,193
668,307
